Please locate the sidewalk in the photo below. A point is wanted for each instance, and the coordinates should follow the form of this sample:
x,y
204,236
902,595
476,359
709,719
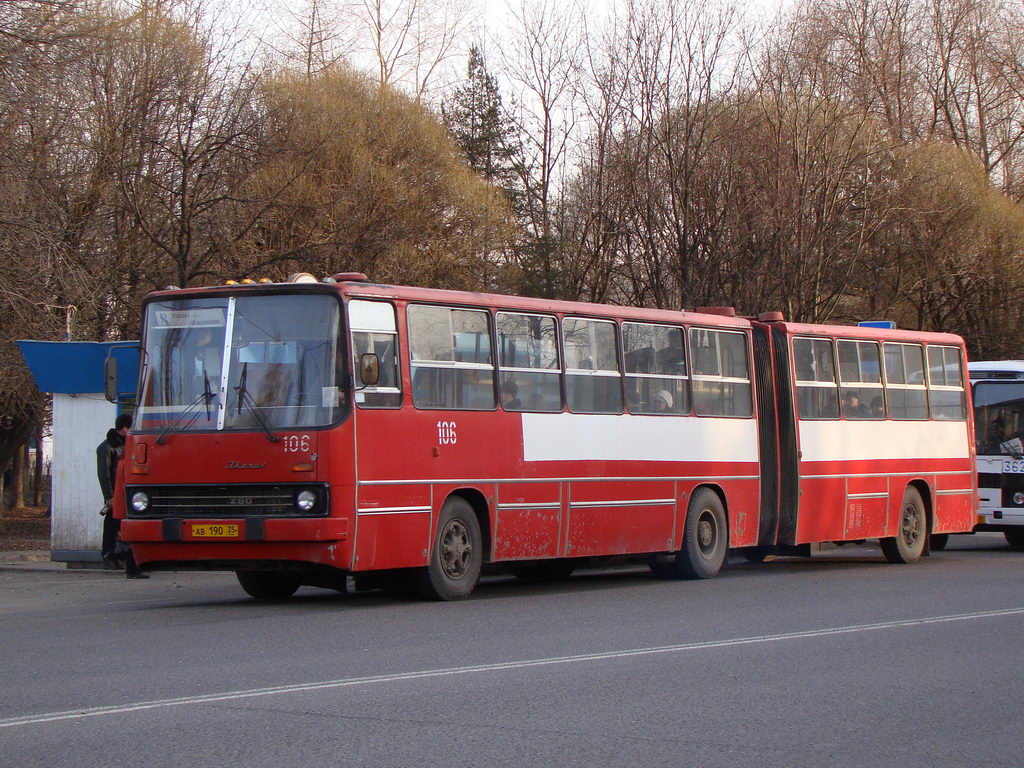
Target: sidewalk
x,y
35,560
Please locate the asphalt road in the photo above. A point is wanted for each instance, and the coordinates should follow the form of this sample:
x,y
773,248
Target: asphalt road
x,y
841,660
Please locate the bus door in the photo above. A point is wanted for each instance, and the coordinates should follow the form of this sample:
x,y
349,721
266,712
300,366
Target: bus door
x,y
392,517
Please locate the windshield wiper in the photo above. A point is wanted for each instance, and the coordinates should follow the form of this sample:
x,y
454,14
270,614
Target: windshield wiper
x,y
244,398
206,397
1010,449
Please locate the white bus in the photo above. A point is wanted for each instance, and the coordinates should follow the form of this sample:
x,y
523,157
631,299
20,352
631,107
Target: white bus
x,y
998,388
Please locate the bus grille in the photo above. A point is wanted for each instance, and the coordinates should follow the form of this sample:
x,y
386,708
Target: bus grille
x,y
226,500
990,480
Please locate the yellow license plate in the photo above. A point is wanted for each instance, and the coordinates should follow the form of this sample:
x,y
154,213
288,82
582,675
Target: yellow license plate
x,y
215,531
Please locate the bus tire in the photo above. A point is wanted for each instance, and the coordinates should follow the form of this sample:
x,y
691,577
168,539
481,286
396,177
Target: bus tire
x,y
908,543
545,570
456,557
705,537
1015,538
268,585
939,541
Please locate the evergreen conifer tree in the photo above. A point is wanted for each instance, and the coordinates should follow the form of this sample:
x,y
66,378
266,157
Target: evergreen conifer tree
x,y
482,129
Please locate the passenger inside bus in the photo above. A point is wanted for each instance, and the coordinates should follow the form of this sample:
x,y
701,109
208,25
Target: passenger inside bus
x,y
662,401
853,408
509,399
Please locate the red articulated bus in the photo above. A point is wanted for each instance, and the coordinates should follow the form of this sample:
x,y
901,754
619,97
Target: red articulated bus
x,y
298,433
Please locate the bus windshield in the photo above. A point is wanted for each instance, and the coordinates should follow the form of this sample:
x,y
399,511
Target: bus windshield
x,y
999,417
241,363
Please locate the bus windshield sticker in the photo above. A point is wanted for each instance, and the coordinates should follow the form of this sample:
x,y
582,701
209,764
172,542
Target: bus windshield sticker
x,y
198,317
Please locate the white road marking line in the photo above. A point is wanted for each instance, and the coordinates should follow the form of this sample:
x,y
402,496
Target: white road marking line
x,y
75,583
79,714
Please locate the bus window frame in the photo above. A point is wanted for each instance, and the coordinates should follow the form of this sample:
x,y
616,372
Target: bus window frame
x,y
816,383
591,372
440,364
945,387
749,381
558,371
685,379
399,390
880,385
906,387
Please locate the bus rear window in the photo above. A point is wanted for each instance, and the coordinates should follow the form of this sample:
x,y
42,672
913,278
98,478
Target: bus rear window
x,y
946,384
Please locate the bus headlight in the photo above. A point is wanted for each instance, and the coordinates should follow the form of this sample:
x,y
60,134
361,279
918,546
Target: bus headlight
x,y
305,501
140,501
1018,498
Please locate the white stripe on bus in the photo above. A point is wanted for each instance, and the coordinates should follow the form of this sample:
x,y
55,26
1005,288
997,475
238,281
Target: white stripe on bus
x,y
393,510
628,503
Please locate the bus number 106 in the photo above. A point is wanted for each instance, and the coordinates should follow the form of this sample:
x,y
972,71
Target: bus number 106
x,y
446,432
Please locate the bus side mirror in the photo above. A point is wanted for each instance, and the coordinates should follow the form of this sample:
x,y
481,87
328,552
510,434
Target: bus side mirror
x,y
369,369
110,379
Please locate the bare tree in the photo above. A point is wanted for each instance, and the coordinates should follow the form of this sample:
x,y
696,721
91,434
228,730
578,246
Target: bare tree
x,y
541,59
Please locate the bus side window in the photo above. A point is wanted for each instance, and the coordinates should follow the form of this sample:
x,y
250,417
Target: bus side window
x,y
904,381
946,384
450,354
528,367
655,369
861,376
721,376
816,380
593,383
374,331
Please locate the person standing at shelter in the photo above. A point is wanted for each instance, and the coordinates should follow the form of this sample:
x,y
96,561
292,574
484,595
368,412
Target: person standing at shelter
x,y
108,454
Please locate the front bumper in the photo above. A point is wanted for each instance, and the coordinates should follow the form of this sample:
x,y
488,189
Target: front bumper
x,y
171,543
250,529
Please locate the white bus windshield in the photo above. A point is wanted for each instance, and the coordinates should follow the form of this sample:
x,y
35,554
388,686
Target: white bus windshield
x,y
999,417
231,363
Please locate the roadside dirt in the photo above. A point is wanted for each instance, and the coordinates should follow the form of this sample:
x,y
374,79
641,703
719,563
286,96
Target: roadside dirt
x,y
24,529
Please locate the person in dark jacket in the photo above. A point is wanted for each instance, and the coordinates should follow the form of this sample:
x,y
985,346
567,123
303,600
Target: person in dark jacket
x,y
108,454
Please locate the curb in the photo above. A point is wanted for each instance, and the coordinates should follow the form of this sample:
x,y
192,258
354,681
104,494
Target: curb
x,y
39,561
29,566
37,567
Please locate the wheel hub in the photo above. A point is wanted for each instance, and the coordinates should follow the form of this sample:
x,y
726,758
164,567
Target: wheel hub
x,y
456,549
706,534
911,525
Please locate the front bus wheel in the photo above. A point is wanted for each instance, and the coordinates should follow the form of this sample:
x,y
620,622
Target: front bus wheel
x,y
268,585
457,554
1015,538
908,543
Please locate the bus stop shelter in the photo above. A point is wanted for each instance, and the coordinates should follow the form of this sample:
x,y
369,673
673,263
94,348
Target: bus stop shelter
x,y
73,373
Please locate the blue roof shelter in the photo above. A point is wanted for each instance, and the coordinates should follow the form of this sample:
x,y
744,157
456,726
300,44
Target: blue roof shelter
x,y
73,372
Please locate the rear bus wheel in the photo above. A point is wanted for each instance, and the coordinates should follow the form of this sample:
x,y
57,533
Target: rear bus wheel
x,y
908,543
705,541
456,557
268,585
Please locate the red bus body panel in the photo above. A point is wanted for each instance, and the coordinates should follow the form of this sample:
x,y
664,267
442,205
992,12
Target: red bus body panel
x,y
546,490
